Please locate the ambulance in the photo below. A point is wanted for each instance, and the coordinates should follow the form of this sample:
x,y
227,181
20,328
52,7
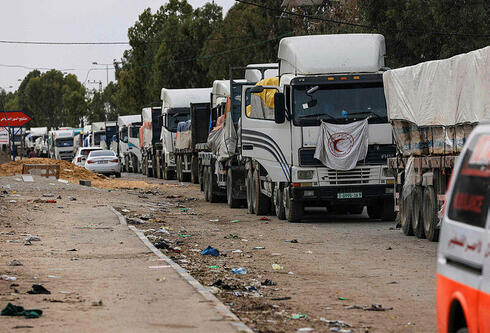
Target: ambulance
x,y
463,263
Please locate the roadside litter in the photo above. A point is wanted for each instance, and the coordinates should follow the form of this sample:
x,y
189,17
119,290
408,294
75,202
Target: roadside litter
x,y
239,271
259,248
48,195
268,282
285,298
38,289
291,241
8,278
235,221
15,310
236,251
161,245
305,329
298,316
372,307
231,236
210,252
263,218
33,239
15,262
277,267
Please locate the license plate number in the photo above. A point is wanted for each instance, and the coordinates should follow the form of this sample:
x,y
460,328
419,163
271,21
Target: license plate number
x,y
103,162
352,195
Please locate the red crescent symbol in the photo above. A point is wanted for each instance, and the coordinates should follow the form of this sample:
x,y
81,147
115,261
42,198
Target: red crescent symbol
x,y
335,142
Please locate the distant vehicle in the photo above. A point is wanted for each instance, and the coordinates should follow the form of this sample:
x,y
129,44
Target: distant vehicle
x,y
104,162
61,144
111,129
463,265
81,155
127,145
98,133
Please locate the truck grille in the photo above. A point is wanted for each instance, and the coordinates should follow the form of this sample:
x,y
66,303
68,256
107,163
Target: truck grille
x,y
358,175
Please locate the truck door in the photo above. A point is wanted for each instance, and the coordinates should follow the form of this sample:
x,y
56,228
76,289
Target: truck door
x,y
261,138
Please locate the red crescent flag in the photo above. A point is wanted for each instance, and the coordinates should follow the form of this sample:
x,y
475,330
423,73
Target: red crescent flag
x,y
15,118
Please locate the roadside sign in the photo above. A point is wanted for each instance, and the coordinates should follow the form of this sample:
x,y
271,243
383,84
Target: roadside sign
x,y
14,118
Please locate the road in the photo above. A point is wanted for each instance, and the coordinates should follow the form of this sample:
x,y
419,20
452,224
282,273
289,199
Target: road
x,y
339,266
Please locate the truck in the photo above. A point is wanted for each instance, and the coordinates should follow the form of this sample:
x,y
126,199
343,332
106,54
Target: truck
x,y
97,133
111,133
433,107
150,143
128,141
61,144
191,130
220,166
36,140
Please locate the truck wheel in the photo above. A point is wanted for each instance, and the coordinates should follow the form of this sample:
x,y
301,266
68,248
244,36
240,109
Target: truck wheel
x,y
406,215
262,202
178,168
212,186
417,224
293,210
232,202
194,170
135,164
249,186
154,169
429,214
205,183
201,178
279,203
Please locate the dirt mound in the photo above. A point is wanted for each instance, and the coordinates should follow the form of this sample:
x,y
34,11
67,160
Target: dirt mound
x,y
72,173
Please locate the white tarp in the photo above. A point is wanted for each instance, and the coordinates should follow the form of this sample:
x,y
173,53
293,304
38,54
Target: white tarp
x,y
223,139
339,147
441,92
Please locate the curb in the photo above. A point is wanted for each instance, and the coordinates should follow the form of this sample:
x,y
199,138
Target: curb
x,y
218,305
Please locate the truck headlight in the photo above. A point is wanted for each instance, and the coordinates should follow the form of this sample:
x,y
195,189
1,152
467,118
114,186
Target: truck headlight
x,y
305,174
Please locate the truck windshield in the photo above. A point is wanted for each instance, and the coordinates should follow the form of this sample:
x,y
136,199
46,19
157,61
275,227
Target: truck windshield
x,y
342,103
174,117
124,134
64,142
97,137
134,132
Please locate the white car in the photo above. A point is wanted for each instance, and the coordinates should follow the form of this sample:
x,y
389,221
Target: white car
x,y
103,161
81,155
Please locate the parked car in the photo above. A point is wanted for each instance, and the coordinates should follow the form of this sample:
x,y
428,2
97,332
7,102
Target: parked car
x,y
81,155
463,265
104,162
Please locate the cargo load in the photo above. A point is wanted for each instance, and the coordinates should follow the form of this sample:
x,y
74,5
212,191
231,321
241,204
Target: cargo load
x,y
433,106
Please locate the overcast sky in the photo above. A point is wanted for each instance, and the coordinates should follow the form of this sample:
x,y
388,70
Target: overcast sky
x,y
69,21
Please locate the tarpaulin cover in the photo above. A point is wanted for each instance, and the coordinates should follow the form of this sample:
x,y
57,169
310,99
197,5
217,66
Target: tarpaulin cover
x,y
262,104
339,147
222,140
183,139
441,92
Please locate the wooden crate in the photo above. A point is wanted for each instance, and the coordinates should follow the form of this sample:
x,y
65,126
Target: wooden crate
x,y
47,170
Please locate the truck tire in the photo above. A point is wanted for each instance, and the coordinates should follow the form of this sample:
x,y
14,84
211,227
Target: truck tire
x,y
262,202
279,203
249,186
194,170
429,214
406,215
201,178
205,183
232,202
417,224
293,210
178,168
212,186
154,169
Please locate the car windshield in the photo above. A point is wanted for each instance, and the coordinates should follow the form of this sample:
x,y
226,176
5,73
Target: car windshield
x,y
341,103
64,142
100,153
175,117
85,152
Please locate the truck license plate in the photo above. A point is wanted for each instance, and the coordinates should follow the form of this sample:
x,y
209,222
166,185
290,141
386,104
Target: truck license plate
x,y
352,195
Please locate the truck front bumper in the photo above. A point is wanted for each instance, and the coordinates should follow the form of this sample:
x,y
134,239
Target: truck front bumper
x,y
348,195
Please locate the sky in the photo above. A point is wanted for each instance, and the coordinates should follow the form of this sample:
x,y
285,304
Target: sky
x,y
69,21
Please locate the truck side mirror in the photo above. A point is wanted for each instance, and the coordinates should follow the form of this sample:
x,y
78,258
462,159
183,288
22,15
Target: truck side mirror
x,y
279,108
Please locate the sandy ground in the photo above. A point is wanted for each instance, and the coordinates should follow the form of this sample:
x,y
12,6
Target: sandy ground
x,y
339,265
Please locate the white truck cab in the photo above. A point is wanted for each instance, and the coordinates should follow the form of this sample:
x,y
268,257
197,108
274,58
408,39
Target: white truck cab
x,y
323,78
128,140
463,260
61,144
98,133
175,109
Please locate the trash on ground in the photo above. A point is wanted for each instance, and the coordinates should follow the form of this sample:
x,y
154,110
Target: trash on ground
x,y
305,329
8,278
161,245
210,252
236,251
268,282
184,236
291,241
341,298
239,271
38,289
33,239
54,276
15,310
259,248
214,220
163,231
213,266
235,221
277,267
298,316
64,181
376,307
263,218
27,178
99,303
285,298
48,195
231,236
15,262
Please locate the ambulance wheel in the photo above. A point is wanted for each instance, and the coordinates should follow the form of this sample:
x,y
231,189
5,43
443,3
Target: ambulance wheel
x,y
417,224
249,186
429,214
232,202
262,202
293,210
406,215
279,203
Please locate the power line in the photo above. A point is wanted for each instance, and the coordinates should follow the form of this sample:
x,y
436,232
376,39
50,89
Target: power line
x,y
360,25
